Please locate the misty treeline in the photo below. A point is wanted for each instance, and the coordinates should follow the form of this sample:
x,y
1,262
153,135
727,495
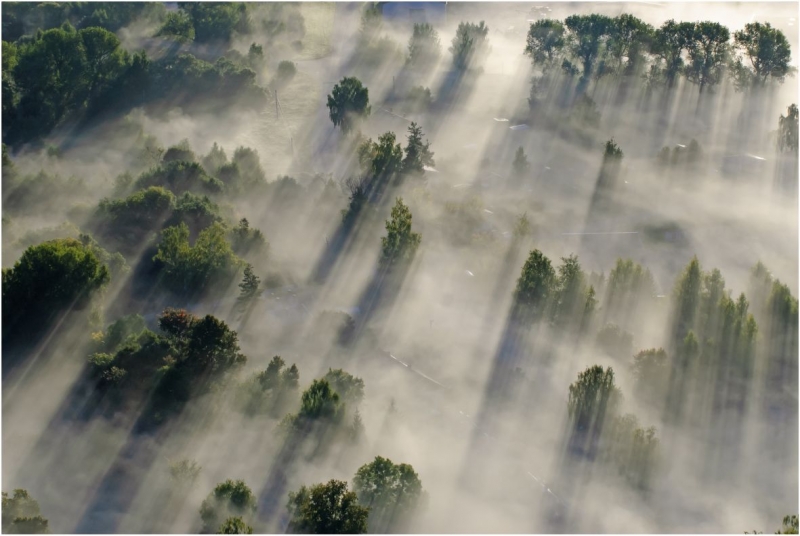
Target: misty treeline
x,y
594,46
65,62
117,286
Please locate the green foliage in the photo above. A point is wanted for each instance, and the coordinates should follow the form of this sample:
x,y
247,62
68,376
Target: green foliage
x,y
125,223
178,26
768,52
246,240
179,177
632,450
326,509
21,514
49,279
630,291
612,152
234,525
391,492
217,21
593,398
545,42
381,160
271,390
670,42
196,212
586,36
179,153
400,243
195,269
320,401
214,160
348,102
573,299
424,47
787,131
708,51
628,40
470,45
535,285
418,154
229,499
249,285
349,388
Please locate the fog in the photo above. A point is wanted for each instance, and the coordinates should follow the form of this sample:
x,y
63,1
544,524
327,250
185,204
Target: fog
x,y
456,383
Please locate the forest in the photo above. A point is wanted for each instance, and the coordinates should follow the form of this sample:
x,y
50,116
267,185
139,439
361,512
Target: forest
x,y
345,268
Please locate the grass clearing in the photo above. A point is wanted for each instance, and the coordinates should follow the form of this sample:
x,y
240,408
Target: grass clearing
x,y
273,133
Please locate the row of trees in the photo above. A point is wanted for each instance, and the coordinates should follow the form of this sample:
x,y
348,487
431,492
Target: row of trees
x,y
65,73
385,496
597,45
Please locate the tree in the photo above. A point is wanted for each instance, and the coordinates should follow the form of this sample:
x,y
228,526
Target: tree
x,y
217,21
573,298
669,43
535,284
629,38
326,509
381,160
767,50
213,348
320,401
390,491
686,299
587,34
593,397
249,285
178,26
349,387
246,240
348,102
234,525
545,42
708,51
196,268
105,59
520,166
470,46
424,47
49,279
215,159
418,154
400,243
229,499
51,72
21,514
787,131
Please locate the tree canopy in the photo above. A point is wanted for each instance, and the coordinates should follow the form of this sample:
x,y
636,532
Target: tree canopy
x,y
348,102
326,509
